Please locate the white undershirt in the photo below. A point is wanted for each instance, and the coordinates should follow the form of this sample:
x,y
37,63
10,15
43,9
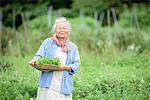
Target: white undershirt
x,y
57,75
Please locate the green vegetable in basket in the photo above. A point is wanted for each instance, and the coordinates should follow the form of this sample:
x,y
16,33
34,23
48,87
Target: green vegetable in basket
x,y
50,61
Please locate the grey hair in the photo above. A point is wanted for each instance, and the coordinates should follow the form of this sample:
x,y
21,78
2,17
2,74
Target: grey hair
x,y
61,19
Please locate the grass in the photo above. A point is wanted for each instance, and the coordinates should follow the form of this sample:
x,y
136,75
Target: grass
x,y
123,77
126,76
19,80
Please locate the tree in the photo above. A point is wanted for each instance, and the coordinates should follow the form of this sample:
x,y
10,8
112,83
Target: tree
x,y
88,6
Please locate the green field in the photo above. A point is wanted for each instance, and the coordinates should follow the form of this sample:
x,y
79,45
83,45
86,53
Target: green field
x,y
123,77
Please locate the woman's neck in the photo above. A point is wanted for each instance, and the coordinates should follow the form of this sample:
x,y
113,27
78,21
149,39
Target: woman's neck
x,y
62,39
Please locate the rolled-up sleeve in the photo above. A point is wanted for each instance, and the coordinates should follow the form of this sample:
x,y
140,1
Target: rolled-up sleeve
x,y
41,51
75,65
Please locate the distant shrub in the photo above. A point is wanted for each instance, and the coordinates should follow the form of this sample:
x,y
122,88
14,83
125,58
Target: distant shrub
x,y
4,64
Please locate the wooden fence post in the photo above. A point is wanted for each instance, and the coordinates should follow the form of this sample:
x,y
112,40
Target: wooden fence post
x,y
96,21
49,14
82,19
134,18
26,29
1,30
102,15
108,19
109,38
114,16
14,19
17,34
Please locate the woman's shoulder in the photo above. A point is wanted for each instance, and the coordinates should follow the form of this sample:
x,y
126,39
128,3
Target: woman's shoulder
x,y
72,44
47,40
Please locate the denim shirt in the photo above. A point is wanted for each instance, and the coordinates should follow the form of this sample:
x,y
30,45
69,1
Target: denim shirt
x,y
48,49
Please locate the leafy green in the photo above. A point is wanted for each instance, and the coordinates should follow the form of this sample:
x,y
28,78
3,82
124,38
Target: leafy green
x,y
51,61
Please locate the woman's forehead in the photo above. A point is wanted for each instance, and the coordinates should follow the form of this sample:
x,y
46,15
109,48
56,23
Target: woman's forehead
x,y
62,23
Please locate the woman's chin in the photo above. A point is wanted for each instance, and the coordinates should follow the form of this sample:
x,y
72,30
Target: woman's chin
x,y
62,36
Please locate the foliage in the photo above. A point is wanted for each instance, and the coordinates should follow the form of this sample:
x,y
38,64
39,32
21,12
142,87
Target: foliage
x,y
27,7
19,82
67,12
51,61
126,76
112,80
8,38
90,6
119,37
4,64
32,9
139,11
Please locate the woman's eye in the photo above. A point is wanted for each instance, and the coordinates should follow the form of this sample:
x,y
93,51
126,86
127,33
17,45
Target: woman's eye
x,y
62,28
65,27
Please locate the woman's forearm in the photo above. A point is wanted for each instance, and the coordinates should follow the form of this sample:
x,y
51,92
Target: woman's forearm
x,y
65,67
56,68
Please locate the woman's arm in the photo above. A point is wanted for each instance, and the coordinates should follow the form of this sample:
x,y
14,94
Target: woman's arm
x,y
64,67
53,67
75,64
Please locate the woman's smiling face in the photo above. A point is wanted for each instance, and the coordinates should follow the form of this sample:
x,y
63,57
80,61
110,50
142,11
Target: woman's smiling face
x,y
62,29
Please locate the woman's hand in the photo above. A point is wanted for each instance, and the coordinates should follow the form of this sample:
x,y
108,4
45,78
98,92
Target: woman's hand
x,y
64,67
33,62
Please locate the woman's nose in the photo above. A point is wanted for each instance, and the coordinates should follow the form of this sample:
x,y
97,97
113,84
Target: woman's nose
x,y
62,29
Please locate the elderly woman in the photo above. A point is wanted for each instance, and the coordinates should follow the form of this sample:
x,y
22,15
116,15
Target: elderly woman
x,y
57,83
